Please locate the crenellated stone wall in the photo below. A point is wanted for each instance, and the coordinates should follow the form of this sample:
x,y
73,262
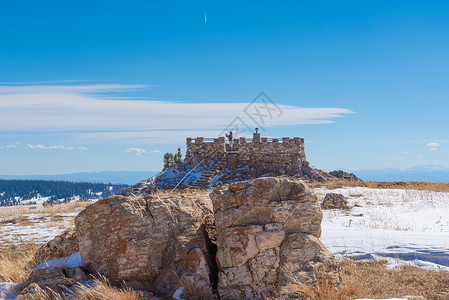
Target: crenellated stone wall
x,y
279,155
205,149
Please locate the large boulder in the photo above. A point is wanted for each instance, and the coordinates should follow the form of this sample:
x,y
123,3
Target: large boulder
x,y
267,236
151,243
334,200
62,245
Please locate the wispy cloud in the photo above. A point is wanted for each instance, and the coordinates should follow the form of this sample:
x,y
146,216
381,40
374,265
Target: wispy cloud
x,y
157,151
54,147
434,146
70,108
44,82
11,146
70,89
137,151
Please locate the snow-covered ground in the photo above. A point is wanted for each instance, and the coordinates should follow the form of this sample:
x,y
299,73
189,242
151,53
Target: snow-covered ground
x,y
36,223
37,228
402,226
35,200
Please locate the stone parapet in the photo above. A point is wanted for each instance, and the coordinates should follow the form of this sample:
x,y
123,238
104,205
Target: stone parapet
x,y
271,154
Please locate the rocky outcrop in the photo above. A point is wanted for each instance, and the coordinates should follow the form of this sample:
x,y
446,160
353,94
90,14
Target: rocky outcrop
x,y
333,200
63,245
344,175
267,236
150,243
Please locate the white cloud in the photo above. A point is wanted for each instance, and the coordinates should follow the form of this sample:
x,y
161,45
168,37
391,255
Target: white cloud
x,y
11,146
70,108
43,82
55,147
157,151
137,151
434,149
405,152
82,148
69,89
433,144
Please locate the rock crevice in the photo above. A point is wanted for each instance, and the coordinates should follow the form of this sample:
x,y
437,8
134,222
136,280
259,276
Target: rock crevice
x,y
251,239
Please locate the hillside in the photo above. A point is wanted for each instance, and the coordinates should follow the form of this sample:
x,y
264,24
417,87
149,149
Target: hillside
x,y
13,192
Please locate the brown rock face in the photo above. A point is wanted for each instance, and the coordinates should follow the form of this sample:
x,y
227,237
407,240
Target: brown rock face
x,y
151,243
267,232
63,245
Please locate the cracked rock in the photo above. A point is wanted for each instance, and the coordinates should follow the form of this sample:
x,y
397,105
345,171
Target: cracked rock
x,y
267,233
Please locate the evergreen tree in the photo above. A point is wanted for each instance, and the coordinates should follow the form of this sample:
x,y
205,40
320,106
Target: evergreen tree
x,y
178,157
171,160
168,160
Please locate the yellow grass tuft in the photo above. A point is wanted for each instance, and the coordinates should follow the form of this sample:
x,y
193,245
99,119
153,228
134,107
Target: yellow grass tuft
x,y
101,291
375,280
15,264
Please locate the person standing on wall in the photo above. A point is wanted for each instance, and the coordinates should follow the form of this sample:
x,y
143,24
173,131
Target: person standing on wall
x,y
229,136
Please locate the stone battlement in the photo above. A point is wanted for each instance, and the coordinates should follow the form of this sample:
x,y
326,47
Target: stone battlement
x,y
270,154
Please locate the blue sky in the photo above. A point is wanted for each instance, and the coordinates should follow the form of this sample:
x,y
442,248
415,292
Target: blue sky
x,y
112,85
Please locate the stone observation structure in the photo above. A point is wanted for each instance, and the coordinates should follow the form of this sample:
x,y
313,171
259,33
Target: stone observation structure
x,y
270,154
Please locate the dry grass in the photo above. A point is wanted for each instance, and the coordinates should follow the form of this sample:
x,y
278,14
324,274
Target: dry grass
x,y
102,290
184,192
358,280
374,280
423,186
13,211
18,220
16,263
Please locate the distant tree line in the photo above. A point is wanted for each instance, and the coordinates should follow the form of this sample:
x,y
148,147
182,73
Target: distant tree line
x,y
13,190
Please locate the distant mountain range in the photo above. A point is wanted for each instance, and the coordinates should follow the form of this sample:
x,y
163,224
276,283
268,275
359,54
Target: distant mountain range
x,y
432,173
114,177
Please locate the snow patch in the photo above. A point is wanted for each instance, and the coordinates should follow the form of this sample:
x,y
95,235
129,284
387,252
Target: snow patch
x,y
177,294
70,262
401,226
7,290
